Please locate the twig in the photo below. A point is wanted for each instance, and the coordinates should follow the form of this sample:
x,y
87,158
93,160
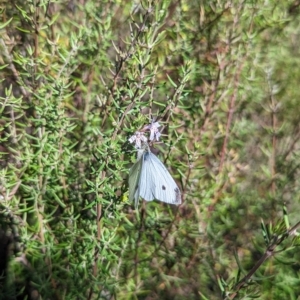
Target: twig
x,y
268,253
12,67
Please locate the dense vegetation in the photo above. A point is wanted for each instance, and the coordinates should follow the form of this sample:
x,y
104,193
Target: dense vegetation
x,y
78,78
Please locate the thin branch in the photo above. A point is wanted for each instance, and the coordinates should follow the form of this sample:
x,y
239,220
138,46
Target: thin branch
x,y
268,253
12,67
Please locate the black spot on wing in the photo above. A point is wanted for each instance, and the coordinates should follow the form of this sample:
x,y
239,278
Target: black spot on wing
x,y
163,187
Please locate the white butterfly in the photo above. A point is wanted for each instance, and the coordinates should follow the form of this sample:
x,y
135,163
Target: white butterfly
x,y
149,179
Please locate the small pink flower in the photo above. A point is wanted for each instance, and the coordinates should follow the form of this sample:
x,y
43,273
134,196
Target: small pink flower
x,y
154,132
138,138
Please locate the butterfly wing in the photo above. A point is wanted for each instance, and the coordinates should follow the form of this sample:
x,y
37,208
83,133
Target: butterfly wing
x,y
147,178
134,176
155,181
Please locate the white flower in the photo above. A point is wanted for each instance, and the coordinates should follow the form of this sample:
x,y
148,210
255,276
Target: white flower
x,y
138,138
154,132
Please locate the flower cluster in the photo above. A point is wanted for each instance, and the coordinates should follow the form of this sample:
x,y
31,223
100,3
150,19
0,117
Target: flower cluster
x,y
140,139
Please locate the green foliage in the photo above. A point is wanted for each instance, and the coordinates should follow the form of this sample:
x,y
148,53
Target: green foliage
x,y
78,79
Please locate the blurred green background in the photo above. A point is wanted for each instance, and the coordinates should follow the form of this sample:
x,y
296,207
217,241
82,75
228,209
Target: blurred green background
x,y
78,78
